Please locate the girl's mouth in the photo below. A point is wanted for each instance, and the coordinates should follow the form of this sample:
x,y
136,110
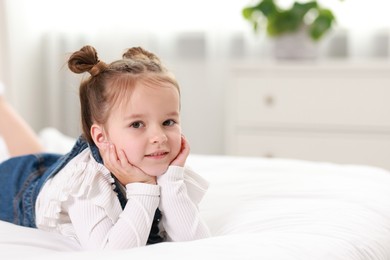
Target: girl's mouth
x,y
157,155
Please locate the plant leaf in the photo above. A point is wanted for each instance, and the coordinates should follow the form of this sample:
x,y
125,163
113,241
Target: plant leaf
x,y
301,9
267,7
283,22
321,24
247,12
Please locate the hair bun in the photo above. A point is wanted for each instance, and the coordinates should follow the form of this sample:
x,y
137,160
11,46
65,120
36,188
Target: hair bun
x,y
138,53
86,59
97,68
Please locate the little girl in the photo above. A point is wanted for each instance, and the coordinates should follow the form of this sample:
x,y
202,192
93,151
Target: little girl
x,y
124,184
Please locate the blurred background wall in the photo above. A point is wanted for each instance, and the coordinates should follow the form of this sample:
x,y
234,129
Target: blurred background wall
x,y
198,40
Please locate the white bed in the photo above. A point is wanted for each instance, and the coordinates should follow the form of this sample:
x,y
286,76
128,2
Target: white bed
x,y
256,208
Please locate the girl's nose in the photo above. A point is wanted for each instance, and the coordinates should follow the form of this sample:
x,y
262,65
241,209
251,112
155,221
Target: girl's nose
x,y
158,136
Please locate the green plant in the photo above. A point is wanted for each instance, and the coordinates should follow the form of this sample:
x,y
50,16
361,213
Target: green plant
x,y
317,19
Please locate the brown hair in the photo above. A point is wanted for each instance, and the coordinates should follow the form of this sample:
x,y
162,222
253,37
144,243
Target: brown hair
x,y
101,91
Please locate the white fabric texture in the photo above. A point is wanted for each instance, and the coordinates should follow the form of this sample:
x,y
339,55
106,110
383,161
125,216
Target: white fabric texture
x,y
3,150
55,142
181,220
274,209
80,203
2,89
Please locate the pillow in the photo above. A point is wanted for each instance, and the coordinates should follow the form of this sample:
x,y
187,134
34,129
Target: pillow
x,y
56,142
3,150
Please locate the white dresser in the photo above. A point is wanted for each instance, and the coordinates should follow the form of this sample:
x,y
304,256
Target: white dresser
x,y
334,111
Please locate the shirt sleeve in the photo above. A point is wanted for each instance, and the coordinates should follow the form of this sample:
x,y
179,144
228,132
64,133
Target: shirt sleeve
x,y
179,200
95,230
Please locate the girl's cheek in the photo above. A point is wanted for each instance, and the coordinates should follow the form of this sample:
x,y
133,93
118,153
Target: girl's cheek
x,y
178,144
130,157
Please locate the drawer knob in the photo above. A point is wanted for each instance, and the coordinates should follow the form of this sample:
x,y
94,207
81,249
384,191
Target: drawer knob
x,y
269,100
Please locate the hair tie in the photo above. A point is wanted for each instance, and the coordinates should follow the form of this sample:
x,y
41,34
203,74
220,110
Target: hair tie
x,y
97,68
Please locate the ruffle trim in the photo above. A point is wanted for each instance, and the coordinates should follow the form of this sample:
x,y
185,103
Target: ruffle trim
x,y
81,177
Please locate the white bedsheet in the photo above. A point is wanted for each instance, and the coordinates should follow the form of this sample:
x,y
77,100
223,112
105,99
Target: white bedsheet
x,y
258,208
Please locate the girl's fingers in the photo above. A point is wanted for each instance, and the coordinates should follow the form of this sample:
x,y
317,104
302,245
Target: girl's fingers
x,y
113,155
110,158
183,154
117,163
185,146
106,154
123,159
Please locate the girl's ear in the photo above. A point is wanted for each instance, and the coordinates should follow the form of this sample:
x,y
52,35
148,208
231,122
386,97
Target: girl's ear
x,y
98,135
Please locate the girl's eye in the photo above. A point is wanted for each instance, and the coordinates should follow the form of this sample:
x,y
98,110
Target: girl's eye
x,y
169,122
136,125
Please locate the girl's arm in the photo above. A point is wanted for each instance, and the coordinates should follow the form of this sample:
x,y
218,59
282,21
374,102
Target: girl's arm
x,y
180,215
95,217
96,230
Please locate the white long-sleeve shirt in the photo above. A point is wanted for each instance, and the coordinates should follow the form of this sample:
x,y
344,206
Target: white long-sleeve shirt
x,y
80,202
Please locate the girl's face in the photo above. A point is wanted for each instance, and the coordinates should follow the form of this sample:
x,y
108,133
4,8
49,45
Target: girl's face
x,y
147,128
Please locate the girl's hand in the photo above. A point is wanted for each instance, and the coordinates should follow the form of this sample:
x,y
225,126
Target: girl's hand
x,y
117,163
181,158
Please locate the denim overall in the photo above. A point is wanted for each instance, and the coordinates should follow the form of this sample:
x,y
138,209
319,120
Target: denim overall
x,y
22,177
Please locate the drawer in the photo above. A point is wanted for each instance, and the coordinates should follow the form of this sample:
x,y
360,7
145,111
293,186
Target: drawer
x,y
312,101
350,149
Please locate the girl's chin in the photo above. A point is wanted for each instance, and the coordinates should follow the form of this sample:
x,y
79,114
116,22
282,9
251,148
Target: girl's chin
x,y
156,172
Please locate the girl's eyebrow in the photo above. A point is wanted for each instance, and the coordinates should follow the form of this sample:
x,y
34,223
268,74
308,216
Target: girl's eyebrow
x,y
134,116
175,113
